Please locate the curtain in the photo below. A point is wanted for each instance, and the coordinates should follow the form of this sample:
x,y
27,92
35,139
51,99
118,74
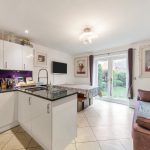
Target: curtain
x,y
130,71
91,60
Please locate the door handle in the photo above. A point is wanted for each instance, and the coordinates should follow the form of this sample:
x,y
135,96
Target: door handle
x,y
48,108
29,100
6,64
24,66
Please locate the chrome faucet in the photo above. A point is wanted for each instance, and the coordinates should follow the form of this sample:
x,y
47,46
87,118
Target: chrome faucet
x,y
43,77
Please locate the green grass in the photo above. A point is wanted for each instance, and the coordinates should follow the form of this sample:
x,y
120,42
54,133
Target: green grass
x,y
118,92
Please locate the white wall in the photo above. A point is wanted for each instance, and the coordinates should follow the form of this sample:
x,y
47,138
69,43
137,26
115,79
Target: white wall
x,y
54,55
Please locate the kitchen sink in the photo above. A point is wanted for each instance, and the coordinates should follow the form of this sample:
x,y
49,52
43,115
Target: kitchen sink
x,y
34,89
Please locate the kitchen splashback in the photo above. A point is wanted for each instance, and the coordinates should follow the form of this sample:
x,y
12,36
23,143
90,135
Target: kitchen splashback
x,y
15,73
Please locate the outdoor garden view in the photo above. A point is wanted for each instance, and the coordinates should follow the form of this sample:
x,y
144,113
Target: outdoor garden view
x,y
118,78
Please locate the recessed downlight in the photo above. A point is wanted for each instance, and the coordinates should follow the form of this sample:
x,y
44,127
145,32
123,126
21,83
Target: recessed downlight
x,y
26,31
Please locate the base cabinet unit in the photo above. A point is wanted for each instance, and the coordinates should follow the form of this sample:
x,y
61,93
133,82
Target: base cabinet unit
x,y
8,110
24,111
64,122
41,121
34,116
49,122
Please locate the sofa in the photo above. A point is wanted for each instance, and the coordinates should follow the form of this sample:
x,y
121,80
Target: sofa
x,y
140,134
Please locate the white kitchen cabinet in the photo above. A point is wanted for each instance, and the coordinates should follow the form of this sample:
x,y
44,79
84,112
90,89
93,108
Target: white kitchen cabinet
x,y
64,122
48,122
27,58
24,111
41,121
34,115
8,109
12,56
1,54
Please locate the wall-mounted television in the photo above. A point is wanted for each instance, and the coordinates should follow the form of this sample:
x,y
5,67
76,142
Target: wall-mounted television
x,y
58,67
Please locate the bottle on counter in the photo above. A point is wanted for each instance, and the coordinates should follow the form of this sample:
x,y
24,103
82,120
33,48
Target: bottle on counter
x,y
3,84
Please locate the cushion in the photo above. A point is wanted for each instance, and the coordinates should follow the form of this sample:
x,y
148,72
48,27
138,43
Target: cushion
x,y
143,122
144,95
143,109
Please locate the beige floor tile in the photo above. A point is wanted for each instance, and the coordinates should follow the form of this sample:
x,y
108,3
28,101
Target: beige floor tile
x,y
33,143
18,141
85,135
103,133
111,132
80,114
91,113
127,143
88,146
111,145
122,132
20,130
70,147
4,139
97,121
12,131
82,122
35,148
108,121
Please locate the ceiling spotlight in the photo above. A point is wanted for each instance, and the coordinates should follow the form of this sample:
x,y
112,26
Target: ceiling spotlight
x,y
26,31
88,35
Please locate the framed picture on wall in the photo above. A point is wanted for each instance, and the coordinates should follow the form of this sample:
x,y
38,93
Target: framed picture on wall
x,y
81,66
40,58
145,61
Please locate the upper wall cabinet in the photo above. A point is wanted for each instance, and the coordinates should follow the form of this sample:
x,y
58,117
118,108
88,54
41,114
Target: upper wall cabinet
x,y
1,54
12,56
27,58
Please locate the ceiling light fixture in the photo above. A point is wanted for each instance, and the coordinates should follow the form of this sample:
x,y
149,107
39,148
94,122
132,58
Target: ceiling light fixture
x,y
26,31
88,35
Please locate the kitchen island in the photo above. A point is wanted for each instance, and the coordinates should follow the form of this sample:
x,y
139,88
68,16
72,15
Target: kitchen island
x,y
49,116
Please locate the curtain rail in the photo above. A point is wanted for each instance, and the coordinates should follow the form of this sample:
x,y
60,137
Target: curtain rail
x,y
108,53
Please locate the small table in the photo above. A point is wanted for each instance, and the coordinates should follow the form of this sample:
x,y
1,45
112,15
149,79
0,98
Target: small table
x,y
87,90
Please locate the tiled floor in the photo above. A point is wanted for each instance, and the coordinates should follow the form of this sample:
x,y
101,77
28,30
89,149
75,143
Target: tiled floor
x,y
102,126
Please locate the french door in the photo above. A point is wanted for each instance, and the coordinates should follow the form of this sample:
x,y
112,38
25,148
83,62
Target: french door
x,y
112,78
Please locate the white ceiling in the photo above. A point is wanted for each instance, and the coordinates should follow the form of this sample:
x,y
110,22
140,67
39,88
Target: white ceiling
x,y
58,23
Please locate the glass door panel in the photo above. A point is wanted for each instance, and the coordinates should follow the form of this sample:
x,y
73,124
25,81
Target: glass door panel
x,y
112,78
103,77
119,78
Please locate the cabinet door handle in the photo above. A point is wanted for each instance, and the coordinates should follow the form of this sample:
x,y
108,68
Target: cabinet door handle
x,y
6,64
29,100
24,66
48,108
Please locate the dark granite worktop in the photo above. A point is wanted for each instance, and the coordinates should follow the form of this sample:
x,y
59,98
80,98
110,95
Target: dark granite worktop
x,y
51,94
8,90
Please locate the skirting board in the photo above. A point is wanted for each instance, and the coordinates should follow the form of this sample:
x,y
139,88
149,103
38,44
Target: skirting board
x,y
115,101
7,127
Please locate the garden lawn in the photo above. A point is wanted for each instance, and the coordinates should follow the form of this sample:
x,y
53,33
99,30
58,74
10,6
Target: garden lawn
x,y
119,91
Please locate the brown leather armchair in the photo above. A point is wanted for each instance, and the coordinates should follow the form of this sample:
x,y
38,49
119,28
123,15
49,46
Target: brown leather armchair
x,y
141,136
